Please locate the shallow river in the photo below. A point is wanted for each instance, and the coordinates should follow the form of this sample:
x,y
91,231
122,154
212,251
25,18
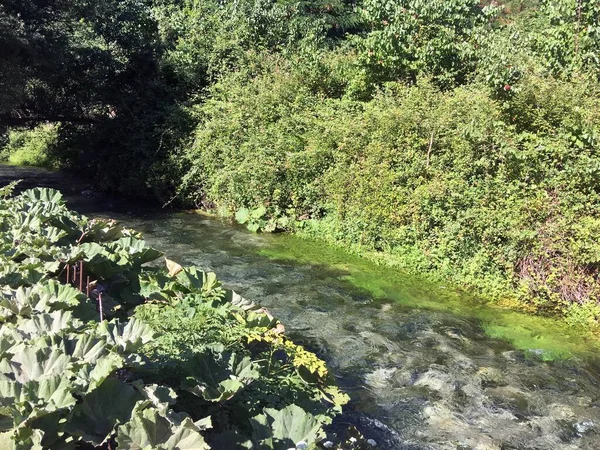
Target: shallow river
x,y
426,367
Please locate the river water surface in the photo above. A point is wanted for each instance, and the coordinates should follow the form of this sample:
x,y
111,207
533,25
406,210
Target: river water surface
x,y
426,367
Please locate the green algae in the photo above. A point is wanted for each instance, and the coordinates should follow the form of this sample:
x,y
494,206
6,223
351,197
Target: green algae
x,y
545,338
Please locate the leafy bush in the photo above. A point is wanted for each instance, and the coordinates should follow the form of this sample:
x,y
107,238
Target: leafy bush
x,y
408,38
98,349
458,136
30,147
569,38
496,194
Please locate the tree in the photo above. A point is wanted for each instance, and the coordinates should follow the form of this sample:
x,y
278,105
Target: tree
x,y
69,61
412,37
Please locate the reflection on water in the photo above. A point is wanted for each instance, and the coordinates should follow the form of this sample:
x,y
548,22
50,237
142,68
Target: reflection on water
x,y
424,367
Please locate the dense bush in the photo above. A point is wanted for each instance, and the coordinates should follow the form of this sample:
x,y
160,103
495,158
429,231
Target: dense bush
x,y
30,147
457,136
497,194
98,349
411,37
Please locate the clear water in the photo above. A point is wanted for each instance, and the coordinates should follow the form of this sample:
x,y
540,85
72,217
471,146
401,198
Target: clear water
x,y
427,368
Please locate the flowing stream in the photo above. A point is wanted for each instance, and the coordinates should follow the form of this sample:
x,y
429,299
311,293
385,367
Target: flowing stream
x,y
426,367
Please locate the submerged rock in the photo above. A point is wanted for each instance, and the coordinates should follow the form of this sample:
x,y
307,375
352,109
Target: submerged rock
x,y
583,427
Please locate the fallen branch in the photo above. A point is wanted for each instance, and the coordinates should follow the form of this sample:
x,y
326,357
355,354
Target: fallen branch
x,y
430,147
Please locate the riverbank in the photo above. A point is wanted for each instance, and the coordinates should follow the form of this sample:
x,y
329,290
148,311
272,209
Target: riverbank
x,y
545,337
412,355
506,317
548,337
458,186
580,320
84,317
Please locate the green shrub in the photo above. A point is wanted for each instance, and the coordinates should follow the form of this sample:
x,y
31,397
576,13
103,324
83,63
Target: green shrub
x,y
410,38
499,195
30,147
99,349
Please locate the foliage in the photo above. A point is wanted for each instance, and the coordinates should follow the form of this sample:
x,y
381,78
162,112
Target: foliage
x,y
256,220
461,184
204,40
570,38
457,136
194,366
407,38
74,57
123,77
30,147
93,68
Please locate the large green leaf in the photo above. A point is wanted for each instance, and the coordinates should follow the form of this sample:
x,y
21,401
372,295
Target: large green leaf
x,y
86,347
17,303
148,430
55,295
43,195
259,212
242,215
89,250
55,391
33,363
53,436
22,404
238,301
160,396
8,338
104,368
186,436
156,286
129,336
259,319
53,234
217,375
10,391
101,410
197,281
102,230
53,323
290,426
137,250
25,222
98,261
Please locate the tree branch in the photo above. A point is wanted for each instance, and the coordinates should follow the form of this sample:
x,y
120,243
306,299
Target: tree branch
x,y
430,147
9,120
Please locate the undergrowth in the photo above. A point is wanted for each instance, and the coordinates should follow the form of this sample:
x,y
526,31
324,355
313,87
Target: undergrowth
x,y
496,196
98,350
